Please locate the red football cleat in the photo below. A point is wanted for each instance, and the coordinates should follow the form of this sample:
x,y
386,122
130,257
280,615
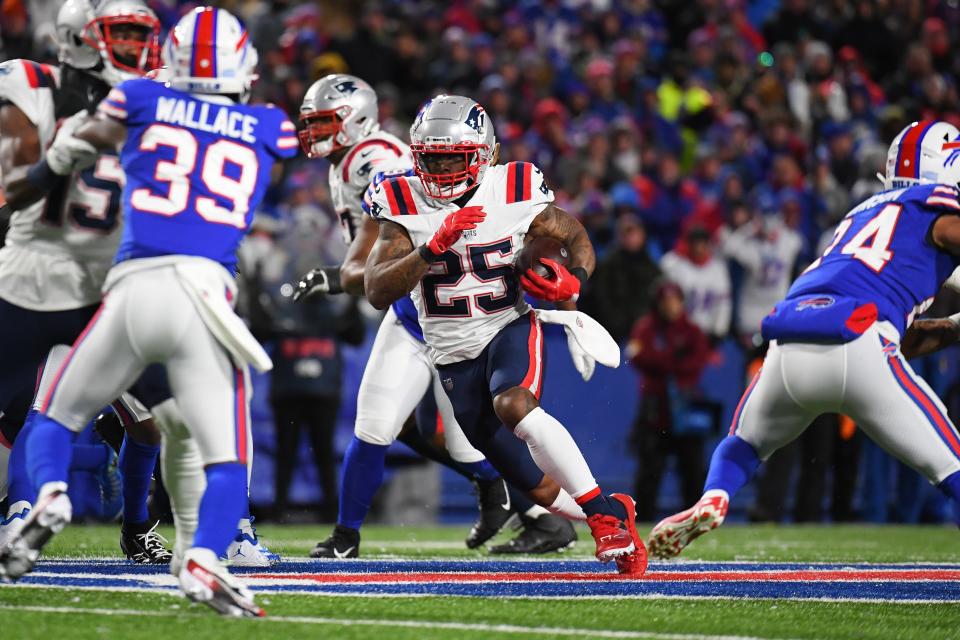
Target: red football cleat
x,y
633,564
613,535
673,534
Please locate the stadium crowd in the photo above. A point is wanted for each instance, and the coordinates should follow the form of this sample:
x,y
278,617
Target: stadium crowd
x,y
711,143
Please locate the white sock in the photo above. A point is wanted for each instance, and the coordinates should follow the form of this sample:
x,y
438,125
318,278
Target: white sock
x,y
567,507
535,511
555,452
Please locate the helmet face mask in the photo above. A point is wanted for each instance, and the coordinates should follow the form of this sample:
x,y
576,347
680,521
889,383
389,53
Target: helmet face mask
x,y
126,36
453,143
338,111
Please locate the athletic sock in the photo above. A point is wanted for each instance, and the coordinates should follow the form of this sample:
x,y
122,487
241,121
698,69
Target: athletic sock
x,y
49,448
90,457
362,476
221,506
20,488
594,503
481,470
137,462
567,507
555,452
733,463
519,501
950,486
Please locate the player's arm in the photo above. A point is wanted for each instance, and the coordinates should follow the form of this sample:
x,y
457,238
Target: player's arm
x,y
355,262
19,153
103,132
930,335
554,222
393,268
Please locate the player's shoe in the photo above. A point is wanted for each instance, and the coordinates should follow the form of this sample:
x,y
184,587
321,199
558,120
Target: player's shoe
x,y
111,487
12,525
49,516
204,579
248,550
343,543
494,502
142,544
673,534
632,564
612,535
544,534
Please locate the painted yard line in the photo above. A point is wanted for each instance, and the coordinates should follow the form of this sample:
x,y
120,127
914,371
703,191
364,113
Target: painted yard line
x,y
172,592
409,624
923,575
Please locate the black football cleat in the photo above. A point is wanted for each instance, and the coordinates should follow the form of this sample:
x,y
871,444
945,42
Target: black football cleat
x,y
343,543
494,502
544,534
142,544
110,429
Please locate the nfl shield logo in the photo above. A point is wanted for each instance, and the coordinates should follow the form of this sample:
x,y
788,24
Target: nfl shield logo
x,y
448,384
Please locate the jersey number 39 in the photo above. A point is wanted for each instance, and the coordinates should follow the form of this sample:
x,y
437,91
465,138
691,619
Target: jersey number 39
x,y
233,187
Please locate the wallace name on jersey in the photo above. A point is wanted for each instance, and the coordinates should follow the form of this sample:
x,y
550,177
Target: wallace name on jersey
x,y
204,116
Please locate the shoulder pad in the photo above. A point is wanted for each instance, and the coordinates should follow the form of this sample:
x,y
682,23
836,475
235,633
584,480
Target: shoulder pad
x,y
943,196
521,182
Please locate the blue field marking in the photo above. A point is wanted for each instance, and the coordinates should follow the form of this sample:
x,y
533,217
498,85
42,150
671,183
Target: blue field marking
x,y
538,578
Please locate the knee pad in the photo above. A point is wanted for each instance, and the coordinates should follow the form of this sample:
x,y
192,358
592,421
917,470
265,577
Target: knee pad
x,y
377,431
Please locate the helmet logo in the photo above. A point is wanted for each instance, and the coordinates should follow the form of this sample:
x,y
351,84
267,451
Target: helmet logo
x,y
475,118
347,86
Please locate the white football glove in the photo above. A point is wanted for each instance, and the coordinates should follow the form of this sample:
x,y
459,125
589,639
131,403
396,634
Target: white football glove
x,y
582,361
68,154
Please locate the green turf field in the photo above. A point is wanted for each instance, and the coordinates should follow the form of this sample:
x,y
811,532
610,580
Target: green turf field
x,y
59,613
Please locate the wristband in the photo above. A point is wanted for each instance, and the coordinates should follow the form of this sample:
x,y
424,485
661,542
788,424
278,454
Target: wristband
x,y
426,254
41,176
332,275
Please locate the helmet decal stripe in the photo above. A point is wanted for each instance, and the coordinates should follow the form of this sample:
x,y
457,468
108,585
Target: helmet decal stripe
x,y
203,58
908,155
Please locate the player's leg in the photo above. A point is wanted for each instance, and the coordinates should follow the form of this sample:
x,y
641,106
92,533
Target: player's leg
x,y
395,378
212,395
101,363
796,383
898,410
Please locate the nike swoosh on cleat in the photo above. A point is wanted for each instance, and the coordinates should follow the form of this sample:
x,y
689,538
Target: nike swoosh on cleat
x,y
343,554
506,505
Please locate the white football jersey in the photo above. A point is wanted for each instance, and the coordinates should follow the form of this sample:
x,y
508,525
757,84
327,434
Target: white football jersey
x,y
471,291
349,179
59,249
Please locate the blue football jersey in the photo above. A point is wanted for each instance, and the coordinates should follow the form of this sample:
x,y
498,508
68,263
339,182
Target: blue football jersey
x,y
195,169
881,265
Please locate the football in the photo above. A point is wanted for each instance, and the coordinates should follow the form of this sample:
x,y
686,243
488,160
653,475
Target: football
x,y
536,248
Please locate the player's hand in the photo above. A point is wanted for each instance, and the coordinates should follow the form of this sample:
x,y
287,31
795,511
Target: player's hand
x,y
564,286
68,154
582,362
453,227
318,280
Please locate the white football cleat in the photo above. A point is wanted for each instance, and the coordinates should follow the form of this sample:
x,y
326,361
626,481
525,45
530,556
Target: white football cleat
x,y
204,579
12,525
673,534
247,550
50,515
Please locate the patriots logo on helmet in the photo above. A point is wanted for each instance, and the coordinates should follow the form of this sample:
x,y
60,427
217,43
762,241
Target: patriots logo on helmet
x,y
365,169
347,86
821,302
475,118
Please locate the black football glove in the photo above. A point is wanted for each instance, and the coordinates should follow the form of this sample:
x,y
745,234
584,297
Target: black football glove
x,y
318,280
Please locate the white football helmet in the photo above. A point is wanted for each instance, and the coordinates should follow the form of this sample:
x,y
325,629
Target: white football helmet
x,y
126,36
925,152
445,128
338,111
209,51
72,18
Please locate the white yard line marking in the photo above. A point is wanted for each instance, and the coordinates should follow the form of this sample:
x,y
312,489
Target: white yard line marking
x,y
168,590
409,624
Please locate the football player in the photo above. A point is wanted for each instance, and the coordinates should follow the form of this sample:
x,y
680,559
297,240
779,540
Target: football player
x,y
340,123
65,225
448,237
197,161
836,338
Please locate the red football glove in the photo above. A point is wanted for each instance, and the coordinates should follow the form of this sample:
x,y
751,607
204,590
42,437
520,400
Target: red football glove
x,y
565,286
453,227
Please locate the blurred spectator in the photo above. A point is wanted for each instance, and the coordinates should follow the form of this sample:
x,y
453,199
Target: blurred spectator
x,y
767,249
704,280
619,291
670,353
